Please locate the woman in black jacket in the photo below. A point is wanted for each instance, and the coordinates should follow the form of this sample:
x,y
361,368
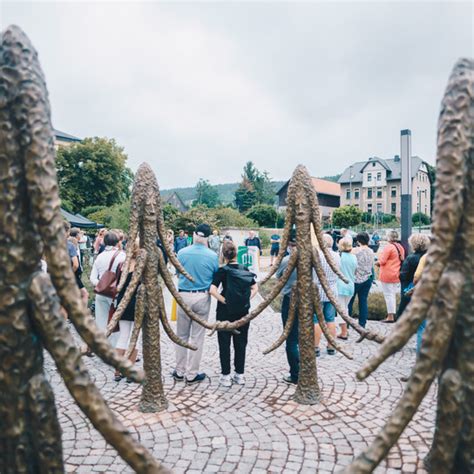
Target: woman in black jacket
x,y
419,245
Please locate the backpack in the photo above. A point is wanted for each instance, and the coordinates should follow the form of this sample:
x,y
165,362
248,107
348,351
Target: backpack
x,y
237,295
108,282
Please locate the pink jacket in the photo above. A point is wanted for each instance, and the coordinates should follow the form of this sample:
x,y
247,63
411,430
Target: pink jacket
x,y
390,262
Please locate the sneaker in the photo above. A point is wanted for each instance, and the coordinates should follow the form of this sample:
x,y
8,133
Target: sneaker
x,y
287,379
331,352
118,378
317,352
178,378
197,379
225,381
239,379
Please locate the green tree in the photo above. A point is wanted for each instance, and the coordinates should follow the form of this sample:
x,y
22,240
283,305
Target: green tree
x,y
206,194
432,178
93,173
419,218
346,216
256,188
245,195
264,214
113,217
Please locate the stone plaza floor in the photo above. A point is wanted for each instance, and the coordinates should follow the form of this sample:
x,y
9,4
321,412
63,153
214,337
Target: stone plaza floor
x,y
256,427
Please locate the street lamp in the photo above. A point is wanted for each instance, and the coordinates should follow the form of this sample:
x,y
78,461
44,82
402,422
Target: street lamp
x,y
419,192
351,176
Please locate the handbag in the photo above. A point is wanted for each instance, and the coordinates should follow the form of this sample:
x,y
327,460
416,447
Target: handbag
x,y
107,285
109,318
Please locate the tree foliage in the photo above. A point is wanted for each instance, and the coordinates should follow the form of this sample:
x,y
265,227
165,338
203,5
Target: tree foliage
x,y
264,214
230,217
419,218
206,194
113,217
93,173
346,216
255,188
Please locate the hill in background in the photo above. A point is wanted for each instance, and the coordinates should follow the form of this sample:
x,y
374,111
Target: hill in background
x,y
226,191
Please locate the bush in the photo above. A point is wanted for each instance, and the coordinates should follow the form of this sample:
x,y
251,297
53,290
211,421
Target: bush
x,y
189,220
264,239
346,216
264,214
418,218
114,217
281,220
230,217
87,211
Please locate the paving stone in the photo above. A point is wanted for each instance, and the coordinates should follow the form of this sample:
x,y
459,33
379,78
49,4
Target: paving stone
x,y
256,427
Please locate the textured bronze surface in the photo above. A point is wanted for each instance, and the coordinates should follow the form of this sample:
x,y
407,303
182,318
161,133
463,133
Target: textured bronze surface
x,y
444,297
30,223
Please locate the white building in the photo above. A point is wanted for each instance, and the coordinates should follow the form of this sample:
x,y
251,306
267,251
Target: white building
x,y
375,186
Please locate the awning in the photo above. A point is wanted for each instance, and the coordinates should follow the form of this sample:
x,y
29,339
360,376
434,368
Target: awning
x,y
80,221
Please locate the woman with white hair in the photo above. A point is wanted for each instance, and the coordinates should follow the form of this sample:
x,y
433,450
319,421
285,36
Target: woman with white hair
x,y
345,291
390,262
419,245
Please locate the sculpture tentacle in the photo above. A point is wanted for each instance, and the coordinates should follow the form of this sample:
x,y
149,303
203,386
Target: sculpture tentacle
x,y
438,333
318,309
288,326
59,343
365,334
137,325
127,297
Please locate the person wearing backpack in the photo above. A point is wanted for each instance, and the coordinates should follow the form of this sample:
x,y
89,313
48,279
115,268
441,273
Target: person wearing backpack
x,y
238,288
390,262
103,277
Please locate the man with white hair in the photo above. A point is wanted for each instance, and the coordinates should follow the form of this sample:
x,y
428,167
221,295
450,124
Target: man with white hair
x,y
201,263
329,311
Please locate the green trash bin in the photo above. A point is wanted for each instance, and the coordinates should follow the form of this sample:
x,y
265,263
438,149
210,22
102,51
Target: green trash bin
x,y
243,256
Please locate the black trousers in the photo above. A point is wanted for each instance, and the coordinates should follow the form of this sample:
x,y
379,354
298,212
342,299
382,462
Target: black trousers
x,y
240,346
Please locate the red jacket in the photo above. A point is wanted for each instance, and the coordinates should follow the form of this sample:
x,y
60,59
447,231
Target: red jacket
x,y
390,262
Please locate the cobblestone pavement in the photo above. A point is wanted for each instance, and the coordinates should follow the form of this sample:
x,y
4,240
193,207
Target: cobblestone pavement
x,y
256,427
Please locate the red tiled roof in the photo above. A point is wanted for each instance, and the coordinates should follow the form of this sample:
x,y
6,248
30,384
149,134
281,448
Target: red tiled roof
x,y
323,186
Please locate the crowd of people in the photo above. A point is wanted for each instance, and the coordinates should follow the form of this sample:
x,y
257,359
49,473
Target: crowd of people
x,y
212,262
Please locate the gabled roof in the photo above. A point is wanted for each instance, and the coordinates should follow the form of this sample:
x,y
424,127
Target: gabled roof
x,y
321,186
175,199
393,167
66,137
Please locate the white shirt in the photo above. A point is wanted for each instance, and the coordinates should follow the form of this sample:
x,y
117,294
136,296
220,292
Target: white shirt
x,y
102,262
330,275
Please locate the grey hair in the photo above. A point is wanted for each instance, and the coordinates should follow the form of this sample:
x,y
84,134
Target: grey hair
x,y
328,240
200,240
392,235
419,242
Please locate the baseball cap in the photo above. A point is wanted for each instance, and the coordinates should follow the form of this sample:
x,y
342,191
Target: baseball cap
x,y
203,230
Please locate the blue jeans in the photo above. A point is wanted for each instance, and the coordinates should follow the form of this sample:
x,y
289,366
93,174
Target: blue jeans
x,y
329,313
292,350
419,335
362,291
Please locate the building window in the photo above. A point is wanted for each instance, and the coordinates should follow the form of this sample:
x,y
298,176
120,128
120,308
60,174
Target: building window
x,y
356,205
379,176
369,193
393,208
379,192
426,209
369,177
369,208
356,193
379,207
394,191
348,193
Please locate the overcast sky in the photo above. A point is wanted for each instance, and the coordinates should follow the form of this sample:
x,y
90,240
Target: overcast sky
x,y
196,90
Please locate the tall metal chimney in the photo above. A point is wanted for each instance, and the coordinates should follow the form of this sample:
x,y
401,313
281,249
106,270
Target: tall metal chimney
x,y
405,153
